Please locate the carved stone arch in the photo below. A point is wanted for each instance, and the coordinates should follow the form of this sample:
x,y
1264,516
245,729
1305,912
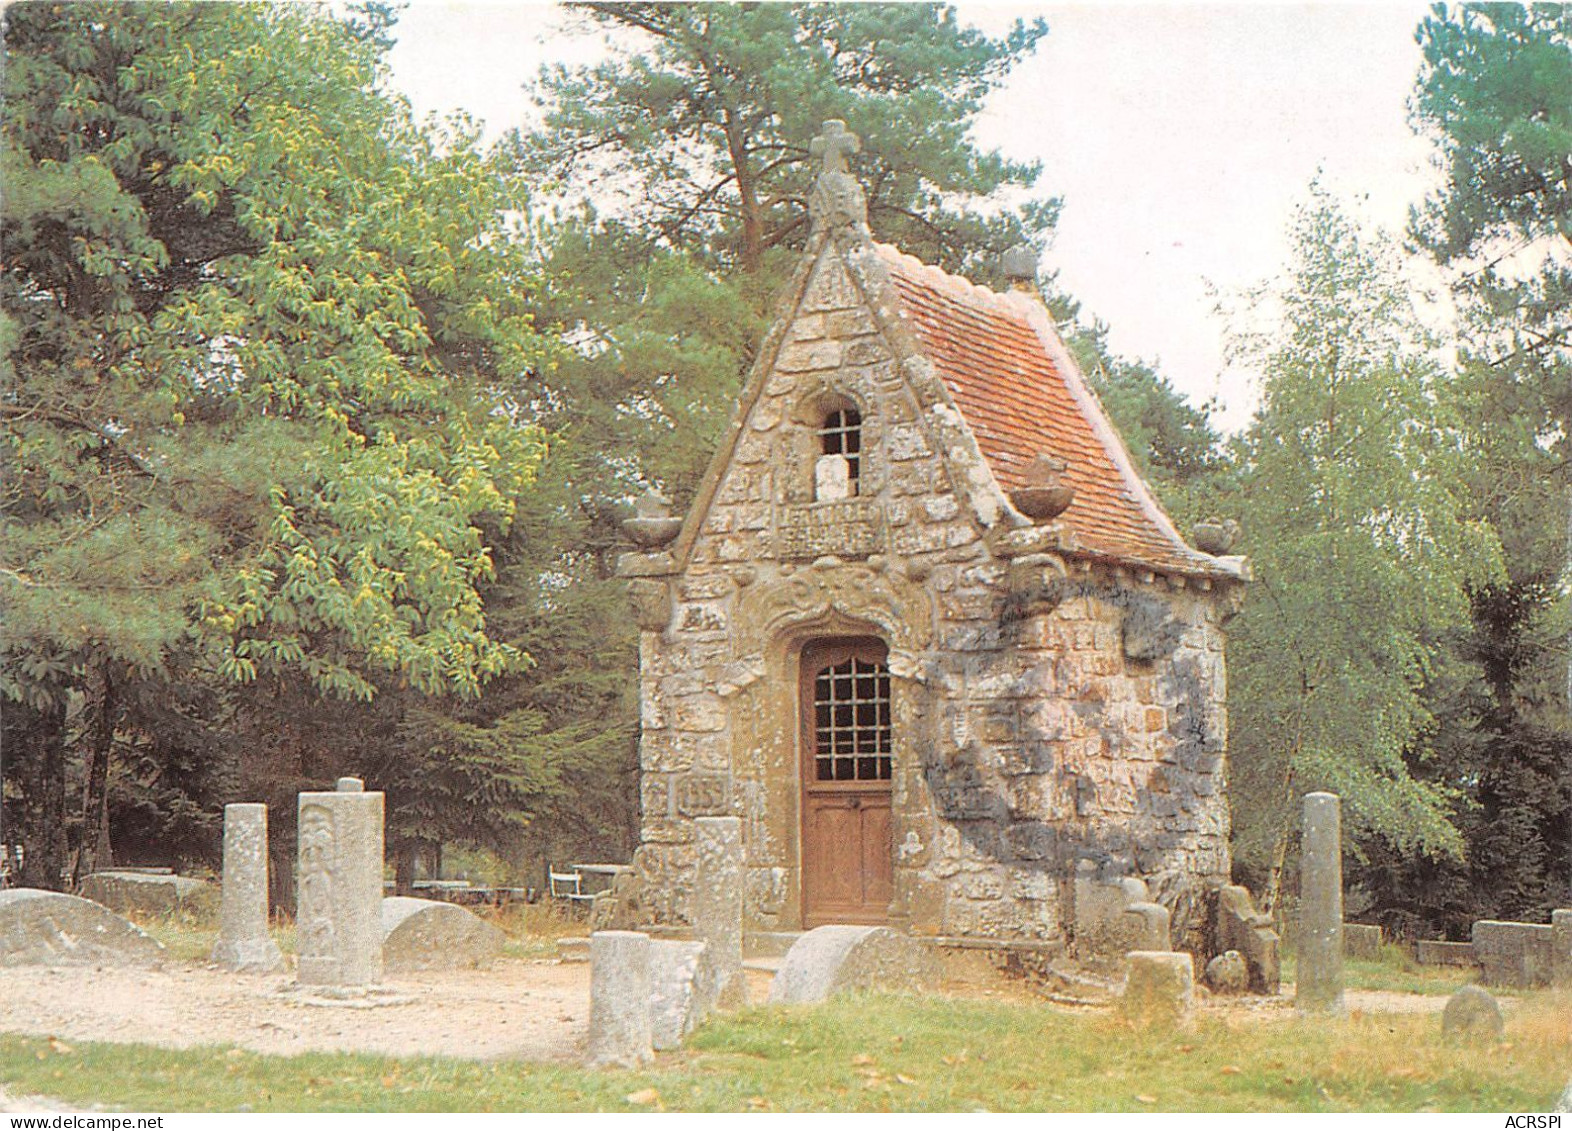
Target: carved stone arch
x,y
825,396
773,623
898,611
810,412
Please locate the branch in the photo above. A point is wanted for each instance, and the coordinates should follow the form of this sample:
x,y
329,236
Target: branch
x,y
59,416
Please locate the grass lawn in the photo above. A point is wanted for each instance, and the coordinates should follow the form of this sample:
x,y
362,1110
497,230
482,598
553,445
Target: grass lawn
x,y
1396,970
875,1053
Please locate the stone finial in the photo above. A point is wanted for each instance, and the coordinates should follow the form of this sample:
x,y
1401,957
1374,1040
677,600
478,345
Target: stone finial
x,y
837,200
652,525
1043,494
1216,536
1019,266
834,145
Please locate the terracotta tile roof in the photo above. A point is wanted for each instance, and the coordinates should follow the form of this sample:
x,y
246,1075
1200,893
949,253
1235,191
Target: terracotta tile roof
x,y
1015,384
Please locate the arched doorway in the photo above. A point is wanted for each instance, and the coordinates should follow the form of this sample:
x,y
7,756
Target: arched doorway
x,y
846,742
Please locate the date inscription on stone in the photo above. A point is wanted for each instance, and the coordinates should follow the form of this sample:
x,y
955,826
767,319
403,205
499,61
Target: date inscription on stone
x,y
847,528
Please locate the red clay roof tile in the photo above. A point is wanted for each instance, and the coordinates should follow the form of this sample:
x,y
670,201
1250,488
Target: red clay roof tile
x,y
992,355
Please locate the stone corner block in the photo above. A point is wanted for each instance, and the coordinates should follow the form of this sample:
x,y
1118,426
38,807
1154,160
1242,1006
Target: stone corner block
x,y
1159,987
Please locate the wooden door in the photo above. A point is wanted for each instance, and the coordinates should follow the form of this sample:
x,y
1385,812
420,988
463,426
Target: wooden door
x,y
845,739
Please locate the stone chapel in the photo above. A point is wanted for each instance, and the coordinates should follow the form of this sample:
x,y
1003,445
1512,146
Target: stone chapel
x,y
924,629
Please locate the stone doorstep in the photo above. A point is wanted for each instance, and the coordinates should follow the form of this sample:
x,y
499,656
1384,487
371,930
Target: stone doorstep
x,y
755,944
1050,948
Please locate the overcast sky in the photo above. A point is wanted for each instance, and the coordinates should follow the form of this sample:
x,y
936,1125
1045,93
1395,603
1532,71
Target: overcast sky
x,y
1179,136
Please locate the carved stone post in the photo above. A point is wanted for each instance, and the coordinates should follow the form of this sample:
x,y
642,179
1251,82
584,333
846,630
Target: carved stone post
x,y
339,914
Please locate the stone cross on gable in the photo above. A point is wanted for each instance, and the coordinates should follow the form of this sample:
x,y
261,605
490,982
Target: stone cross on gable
x,y
834,145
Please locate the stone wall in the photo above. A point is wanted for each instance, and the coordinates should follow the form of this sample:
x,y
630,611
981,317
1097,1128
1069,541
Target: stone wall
x,y
1045,709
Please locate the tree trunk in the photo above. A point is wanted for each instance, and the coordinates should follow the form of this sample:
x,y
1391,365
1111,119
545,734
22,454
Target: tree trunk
x,y
93,850
43,832
405,853
281,866
1566,589
1272,897
747,195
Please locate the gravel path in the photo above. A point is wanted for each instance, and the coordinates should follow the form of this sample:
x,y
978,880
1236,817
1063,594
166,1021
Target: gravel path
x,y
525,1010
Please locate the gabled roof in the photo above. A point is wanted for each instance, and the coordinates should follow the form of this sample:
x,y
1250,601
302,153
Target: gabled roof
x,y
1021,394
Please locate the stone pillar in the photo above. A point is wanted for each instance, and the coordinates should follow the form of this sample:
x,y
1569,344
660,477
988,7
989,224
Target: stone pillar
x,y
717,912
1320,978
243,941
339,898
620,999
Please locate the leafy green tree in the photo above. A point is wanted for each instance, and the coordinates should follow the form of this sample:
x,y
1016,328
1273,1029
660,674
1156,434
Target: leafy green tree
x,y
1496,96
262,345
1356,524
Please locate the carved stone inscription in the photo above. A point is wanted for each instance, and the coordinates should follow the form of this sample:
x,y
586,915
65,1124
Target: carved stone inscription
x,y
846,528
315,915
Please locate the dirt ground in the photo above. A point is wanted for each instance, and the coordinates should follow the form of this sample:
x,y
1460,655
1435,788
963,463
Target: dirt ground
x,y
518,1009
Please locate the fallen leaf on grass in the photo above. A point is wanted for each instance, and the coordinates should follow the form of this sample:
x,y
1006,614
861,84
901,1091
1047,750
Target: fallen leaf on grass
x,y
758,1103
900,1079
1231,1070
862,1058
60,1046
1407,1071
1146,1099
644,1097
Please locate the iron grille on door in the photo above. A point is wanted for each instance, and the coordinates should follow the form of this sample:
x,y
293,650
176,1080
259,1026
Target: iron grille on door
x,y
851,703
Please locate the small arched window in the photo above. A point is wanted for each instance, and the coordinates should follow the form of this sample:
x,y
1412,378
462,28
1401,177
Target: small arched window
x,y
841,435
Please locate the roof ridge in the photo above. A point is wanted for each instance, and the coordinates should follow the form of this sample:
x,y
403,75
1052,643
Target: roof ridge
x,y
1009,300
